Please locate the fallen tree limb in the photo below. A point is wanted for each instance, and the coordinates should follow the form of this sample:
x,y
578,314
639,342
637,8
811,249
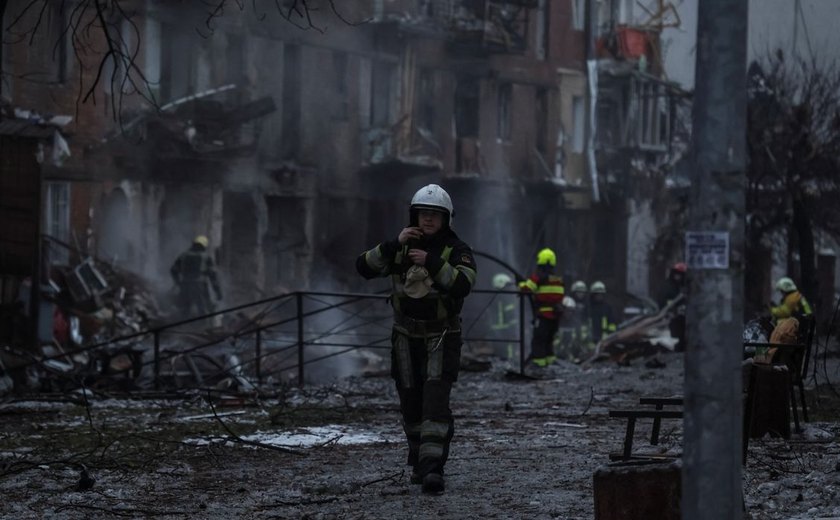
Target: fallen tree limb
x,y
589,404
389,477
236,438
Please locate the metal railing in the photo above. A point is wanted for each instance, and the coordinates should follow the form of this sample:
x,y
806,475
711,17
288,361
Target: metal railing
x,y
277,329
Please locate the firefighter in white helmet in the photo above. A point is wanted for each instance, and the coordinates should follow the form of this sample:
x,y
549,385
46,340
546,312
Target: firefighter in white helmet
x,y
792,302
601,314
577,341
432,271
506,318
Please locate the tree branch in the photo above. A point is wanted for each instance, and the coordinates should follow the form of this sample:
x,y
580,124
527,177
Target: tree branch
x,y
92,23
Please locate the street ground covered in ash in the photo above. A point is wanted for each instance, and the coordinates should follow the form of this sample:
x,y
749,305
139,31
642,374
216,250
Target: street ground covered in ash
x,y
522,449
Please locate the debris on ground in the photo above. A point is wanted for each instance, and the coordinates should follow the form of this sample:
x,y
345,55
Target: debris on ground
x,y
337,451
645,335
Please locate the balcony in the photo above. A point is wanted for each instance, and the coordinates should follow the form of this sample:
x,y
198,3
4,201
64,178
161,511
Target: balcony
x,y
404,143
483,26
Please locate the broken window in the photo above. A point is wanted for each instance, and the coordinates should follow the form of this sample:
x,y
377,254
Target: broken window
x,y
503,103
542,120
426,100
151,60
426,8
54,47
285,217
382,91
365,77
235,59
541,36
653,115
291,101
467,107
579,124
578,14
625,11
612,110
60,43
177,77
203,68
606,235
505,25
285,237
339,60
114,237
240,230
57,218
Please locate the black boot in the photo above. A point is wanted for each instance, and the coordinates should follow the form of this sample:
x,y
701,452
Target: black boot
x,y
416,478
433,483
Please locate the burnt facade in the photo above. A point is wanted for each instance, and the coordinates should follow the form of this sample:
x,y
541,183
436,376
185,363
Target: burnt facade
x,y
641,136
294,149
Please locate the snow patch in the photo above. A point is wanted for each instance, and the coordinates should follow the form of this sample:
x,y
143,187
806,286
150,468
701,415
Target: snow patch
x,y
314,436
812,433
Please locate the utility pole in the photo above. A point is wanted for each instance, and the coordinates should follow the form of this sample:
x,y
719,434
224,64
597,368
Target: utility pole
x,y
2,39
794,52
712,487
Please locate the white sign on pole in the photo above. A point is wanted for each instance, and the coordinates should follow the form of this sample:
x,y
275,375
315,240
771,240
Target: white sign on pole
x,y
707,249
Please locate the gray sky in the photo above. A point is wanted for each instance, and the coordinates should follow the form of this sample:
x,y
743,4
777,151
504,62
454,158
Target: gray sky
x,y
772,25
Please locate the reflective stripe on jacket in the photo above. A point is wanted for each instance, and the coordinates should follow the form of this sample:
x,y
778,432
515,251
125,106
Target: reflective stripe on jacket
x,y
603,321
450,264
548,294
793,303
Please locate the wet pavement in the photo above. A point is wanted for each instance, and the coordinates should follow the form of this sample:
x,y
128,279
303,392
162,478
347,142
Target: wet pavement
x,y
522,449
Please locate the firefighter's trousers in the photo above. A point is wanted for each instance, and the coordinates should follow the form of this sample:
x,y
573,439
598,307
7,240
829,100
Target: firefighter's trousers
x,y
424,368
542,342
194,299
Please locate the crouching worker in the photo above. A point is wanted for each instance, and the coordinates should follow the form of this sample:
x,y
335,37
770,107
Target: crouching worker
x,y
431,271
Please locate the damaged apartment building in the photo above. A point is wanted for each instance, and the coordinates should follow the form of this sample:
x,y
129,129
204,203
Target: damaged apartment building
x,y
641,137
294,148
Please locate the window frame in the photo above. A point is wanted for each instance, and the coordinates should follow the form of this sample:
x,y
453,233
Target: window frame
x,y
504,105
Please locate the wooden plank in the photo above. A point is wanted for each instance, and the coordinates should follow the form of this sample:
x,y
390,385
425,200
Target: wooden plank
x,y
665,401
647,414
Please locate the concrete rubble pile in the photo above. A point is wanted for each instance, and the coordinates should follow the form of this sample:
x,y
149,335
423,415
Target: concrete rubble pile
x,y
95,335
643,336
81,306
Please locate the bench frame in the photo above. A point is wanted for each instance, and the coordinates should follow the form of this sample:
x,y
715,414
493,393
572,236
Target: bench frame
x,y
657,415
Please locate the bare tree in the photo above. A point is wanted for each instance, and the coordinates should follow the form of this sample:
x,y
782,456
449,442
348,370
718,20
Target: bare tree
x,y
793,171
106,39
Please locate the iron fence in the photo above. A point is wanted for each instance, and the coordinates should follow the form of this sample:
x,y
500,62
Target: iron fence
x,y
289,332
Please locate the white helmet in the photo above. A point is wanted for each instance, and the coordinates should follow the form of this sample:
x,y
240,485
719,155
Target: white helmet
x,y
598,288
435,198
501,280
579,286
785,284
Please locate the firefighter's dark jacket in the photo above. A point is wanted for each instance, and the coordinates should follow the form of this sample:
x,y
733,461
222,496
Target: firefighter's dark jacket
x,y
450,264
196,266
